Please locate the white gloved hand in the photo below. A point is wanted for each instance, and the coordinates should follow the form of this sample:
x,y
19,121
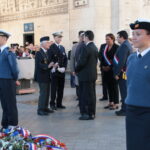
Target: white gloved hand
x,y
53,70
61,70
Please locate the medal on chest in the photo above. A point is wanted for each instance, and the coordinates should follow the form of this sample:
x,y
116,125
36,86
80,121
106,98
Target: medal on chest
x,y
45,61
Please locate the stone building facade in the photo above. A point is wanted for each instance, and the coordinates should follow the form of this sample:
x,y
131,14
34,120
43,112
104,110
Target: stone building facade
x,y
28,20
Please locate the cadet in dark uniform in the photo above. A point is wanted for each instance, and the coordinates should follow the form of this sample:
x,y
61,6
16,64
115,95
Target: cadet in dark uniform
x,y
8,77
42,76
138,89
57,55
119,69
86,70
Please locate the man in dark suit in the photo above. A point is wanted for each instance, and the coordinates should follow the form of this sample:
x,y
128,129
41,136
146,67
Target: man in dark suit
x,y
120,60
87,72
8,77
57,55
42,76
80,47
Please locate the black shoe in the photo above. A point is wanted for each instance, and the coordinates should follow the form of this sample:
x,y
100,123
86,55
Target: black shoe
x,y
120,113
107,107
49,110
91,117
53,108
113,108
42,113
61,107
84,117
103,99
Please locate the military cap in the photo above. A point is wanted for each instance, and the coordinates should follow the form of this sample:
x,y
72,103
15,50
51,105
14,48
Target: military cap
x,y
4,33
59,34
14,44
141,24
44,39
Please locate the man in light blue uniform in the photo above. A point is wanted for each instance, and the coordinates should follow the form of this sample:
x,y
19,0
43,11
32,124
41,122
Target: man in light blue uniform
x,y
138,88
8,77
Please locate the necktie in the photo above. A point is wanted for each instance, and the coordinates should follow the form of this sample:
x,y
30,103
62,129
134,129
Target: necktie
x,y
0,50
139,56
59,46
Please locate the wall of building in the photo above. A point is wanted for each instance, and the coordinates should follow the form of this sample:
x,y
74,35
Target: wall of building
x,y
70,16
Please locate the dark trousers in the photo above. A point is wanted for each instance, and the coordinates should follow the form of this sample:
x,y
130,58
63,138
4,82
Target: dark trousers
x,y
8,102
77,91
138,128
104,87
57,90
87,98
123,93
72,81
113,92
44,96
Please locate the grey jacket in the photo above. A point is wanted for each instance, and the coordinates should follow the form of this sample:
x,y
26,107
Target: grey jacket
x,y
72,58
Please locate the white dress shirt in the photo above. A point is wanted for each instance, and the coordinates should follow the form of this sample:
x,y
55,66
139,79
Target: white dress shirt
x,y
144,52
44,49
3,47
88,42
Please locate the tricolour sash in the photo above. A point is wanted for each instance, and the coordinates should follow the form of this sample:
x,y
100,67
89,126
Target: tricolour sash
x,y
105,56
116,60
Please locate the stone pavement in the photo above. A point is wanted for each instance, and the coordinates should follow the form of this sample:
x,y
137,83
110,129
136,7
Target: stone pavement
x,y
106,132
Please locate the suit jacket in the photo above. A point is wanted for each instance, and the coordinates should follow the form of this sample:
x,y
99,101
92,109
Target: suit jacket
x,y
58,55
42,72
110,54
79,49
122,54
72,58
87,64
108,75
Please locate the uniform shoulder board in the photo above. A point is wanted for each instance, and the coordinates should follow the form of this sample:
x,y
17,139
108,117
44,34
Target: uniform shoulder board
x,y
134,52
9,51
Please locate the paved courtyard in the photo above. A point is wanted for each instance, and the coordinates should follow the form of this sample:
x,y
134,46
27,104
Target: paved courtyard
x,y
106,132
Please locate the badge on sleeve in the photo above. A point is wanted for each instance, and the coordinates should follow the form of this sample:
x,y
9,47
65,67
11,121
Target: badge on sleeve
x,y
145,67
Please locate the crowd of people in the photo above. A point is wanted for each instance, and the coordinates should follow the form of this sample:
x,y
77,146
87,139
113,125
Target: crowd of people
x,y
122,70
27,51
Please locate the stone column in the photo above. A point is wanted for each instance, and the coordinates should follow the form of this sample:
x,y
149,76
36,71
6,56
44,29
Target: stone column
x,y
80,18
115,16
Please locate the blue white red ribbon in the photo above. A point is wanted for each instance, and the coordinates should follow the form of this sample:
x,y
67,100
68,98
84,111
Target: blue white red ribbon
x,y
32,146
105,56
116,60
44,136
25,133
55,148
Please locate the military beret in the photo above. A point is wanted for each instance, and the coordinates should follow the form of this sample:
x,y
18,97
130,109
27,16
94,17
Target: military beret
x,y
59,34
141,24
45,38
4,33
